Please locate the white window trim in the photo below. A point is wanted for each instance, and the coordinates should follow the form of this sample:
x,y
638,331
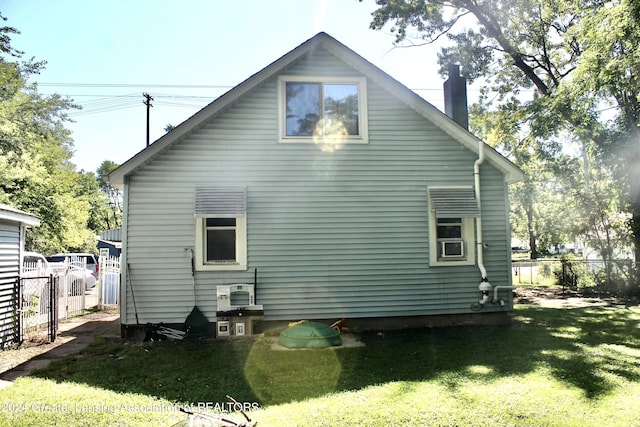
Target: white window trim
x,y
468,237
241,246
363,125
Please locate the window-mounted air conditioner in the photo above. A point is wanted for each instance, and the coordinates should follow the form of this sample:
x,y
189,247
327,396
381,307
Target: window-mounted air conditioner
x,y
452,248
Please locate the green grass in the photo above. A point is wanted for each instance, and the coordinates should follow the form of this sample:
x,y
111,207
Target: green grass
x,y
537,280
550,367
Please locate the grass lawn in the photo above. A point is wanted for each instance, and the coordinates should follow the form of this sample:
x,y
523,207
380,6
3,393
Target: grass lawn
x,y
550,367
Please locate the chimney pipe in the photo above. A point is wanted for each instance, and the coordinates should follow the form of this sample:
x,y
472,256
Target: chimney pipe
x,y
455,97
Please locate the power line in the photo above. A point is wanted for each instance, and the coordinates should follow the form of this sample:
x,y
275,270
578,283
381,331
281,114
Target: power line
x,y
135,85
101,103
105,104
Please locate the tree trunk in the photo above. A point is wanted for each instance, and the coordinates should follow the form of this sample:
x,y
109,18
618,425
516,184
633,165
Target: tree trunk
x,y
635,229
633,178
532,235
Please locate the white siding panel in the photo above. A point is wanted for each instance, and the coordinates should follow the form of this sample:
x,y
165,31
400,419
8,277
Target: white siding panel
x,y
342,234
9,252
9,271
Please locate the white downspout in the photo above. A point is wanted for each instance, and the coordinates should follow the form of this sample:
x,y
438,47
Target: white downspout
x,y
476,176
485,287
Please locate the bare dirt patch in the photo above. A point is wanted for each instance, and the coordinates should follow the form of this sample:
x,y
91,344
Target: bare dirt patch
x,y
73,335
558,297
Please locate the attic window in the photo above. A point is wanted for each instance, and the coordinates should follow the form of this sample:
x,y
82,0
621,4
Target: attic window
x,y
323,110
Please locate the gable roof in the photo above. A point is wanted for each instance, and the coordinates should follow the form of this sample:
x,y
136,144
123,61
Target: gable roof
x,y
511,171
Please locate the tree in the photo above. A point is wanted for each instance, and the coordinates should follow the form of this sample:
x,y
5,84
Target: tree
x,y
539,203
113,216
36,174
609,70
553,49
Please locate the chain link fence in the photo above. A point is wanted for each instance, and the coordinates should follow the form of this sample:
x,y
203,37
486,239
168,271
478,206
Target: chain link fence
x,y
618,276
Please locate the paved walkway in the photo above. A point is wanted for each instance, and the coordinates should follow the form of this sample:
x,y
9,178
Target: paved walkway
x,y
73,335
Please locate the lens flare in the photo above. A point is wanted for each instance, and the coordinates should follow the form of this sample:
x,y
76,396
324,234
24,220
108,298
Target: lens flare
x,y
330,134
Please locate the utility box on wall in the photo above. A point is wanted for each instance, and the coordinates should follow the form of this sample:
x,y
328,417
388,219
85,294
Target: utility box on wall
x,y
237,311
222,327
235,326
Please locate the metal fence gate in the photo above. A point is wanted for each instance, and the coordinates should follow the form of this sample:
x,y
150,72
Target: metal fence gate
x,y
109,282
33,304
38,303
45,295
73,279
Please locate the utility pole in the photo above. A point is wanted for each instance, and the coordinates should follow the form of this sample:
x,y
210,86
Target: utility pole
x,y
147,101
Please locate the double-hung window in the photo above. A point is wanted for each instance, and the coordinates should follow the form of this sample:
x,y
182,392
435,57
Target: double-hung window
x,y
450,238
322,110
452,232
221,236
221,228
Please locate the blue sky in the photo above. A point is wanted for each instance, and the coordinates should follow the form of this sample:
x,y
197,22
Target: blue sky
x,y
105,54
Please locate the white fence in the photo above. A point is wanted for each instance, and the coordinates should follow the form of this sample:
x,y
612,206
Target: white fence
x,y
72,279
74,290
73,286
109,273
35,303
37,279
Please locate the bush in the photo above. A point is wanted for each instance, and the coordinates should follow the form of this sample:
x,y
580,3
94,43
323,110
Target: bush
x,y
620,278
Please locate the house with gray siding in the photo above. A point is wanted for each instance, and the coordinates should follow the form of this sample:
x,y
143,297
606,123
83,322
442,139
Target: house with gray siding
x,y
331,187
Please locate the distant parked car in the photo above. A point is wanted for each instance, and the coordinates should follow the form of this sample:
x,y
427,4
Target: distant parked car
x,y
57,263
34,275
92,261
35,265
89,278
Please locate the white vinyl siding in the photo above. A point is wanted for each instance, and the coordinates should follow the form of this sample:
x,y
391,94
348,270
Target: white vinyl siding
x,y
331,234
9,252
10,247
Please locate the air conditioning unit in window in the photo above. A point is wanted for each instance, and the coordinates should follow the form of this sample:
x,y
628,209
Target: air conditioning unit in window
x,y
452,248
